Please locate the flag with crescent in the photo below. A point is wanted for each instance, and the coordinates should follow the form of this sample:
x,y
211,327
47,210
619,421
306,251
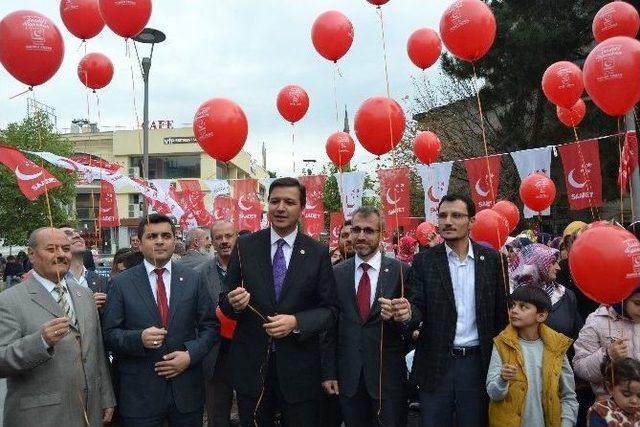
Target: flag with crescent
x,y
248,208
336,219
223,208
33,180
628,159
534,160
192,201
313,213
581,163
435,182
108,212
394,194
351,188
484,177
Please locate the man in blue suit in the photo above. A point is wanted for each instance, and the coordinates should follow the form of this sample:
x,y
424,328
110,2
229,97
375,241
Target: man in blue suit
x,y
159,322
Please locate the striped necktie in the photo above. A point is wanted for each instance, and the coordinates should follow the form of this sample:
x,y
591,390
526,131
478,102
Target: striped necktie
x,y
60,292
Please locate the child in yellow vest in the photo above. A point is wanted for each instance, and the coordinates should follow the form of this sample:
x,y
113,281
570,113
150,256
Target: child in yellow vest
x,y
530,382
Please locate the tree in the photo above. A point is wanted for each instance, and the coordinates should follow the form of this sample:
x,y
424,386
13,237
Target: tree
x,y
18,215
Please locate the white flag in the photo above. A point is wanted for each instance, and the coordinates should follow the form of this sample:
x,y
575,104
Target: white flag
x,y
531,161
351,188
435,182
87,173
218,187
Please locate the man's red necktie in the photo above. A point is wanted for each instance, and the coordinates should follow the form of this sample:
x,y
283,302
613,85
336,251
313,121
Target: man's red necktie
x,y
364,293
161,296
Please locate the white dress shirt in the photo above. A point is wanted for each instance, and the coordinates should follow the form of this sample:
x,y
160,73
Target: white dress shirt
x,y
374,272
287,248
153,279
464,291
49,287
82,281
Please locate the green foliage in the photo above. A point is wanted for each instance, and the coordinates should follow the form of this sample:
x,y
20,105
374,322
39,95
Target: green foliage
x,y
331,194
18,215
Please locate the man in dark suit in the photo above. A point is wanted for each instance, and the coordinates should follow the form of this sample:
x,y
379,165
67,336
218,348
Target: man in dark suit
x,y
159,322
282,292
459,293
372,306
215,364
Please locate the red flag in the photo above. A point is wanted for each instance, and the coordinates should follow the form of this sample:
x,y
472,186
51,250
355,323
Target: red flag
x,y
249,208
192,201
223,209
484,177
581,163
336,219
108,216
33,180
628,159
95,161
394,193
313,213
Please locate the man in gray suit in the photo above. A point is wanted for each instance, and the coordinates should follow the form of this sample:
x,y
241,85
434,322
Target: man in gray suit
x,y
219,391
372,306
196,244
51,349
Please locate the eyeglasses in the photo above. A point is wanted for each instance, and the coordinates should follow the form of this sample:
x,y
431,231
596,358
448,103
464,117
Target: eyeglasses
x,y
456,216
367,230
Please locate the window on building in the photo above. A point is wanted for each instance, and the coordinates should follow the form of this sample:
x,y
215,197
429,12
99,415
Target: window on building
x,y
221,171
87,210
171,167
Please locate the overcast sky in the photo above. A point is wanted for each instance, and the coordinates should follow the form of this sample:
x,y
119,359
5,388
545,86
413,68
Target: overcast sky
x,y
245,50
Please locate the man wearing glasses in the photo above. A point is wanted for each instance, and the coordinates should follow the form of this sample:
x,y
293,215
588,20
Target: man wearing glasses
x,y
369,288
459,294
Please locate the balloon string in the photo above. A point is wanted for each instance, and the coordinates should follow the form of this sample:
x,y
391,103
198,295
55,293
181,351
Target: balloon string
x,y
384,52
335,93
82,43
484,133
293,149
620,157
98,107
29,89
379,413
583,164
135,105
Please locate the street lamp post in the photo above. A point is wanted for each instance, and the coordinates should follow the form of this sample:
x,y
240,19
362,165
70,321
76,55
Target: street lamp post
x,y
149,36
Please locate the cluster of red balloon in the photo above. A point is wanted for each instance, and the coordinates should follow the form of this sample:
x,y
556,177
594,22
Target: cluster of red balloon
x,y
493,226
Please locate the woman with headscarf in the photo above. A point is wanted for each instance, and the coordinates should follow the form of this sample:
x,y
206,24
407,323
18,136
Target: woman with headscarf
x,y
538,266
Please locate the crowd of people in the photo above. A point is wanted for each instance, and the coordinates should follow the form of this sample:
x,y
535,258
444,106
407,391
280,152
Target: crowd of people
x,y
272,328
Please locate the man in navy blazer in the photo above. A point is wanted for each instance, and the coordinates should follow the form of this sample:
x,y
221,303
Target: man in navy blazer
x,y
159,322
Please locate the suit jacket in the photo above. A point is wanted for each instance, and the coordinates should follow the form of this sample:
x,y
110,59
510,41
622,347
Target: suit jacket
x,y
44,386
353,347
209,274
308,293
97,283
192,326
193,259
433,304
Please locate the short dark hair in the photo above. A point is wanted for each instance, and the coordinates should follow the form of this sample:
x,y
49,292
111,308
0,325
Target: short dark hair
x,y
344,224
471,207
131,259
243,232
532,295
154,218
623,370
290,182
367,211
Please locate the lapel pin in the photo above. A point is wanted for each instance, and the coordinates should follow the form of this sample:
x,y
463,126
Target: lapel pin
x,y
302,251
78,294
181,279
481,257
386,270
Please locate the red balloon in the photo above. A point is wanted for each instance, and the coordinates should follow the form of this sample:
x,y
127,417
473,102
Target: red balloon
x,y
292,103
340,148
31,47
379,124
378,2
562,83
490,227
426,147
617,18
221,128
537,191
468,29
612,75
572,116
82,17
95,71
424,231
126,18
510,211
604,263
424,48
332,35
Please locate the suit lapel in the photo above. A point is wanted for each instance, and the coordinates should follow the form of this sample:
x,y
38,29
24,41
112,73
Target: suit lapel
x,y
349,281
143,287
41,297
445,275
298,256
214,281
385,279
265,264
479,279
177,289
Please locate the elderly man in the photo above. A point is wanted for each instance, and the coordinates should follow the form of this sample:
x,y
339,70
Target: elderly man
x,y
218,386
51,349
196,244
78,273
